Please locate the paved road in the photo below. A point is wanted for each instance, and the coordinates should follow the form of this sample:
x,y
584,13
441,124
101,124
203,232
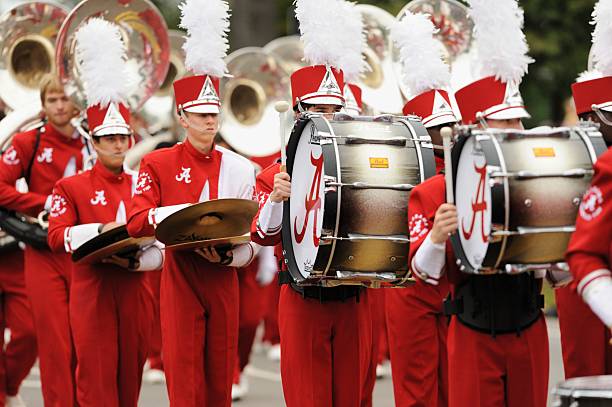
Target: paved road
x,y
265,386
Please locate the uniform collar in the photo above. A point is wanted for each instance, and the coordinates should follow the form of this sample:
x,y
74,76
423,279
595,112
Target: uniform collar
x,y
51,131
100,170
197,154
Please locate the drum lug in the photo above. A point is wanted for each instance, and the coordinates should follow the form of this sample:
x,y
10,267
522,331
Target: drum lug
x,y
330,183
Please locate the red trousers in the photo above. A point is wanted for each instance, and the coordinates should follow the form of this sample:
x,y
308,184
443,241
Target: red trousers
x,y
199,316
502,371
271,330
325,349
417,331
252,301
47,278
584,338
377,309
155,344
110,314
19,355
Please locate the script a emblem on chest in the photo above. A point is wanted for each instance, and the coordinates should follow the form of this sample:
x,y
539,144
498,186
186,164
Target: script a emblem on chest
x,y
184,176
99,199
312,203
46,155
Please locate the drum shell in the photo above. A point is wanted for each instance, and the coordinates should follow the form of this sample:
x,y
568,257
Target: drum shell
x,y
375,212
594,391
543,202
530,202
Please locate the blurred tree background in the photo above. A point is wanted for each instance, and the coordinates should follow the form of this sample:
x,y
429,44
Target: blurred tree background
x,y
558,32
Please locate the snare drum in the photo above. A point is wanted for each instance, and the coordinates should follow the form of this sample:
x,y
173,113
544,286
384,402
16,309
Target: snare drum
x,y
517,195
346,221
595,391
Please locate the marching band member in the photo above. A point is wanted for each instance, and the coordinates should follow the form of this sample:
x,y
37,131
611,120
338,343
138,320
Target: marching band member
x,y
583,305
199,290
326,333
497,356
111,306
416,322
42,156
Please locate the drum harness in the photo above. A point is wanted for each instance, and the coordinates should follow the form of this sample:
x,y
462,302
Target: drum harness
x,y
497,304
322,294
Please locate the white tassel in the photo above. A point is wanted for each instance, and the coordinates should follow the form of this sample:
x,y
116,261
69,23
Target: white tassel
x,y
420,53
101,53
602,37
206,45
332,33
498,33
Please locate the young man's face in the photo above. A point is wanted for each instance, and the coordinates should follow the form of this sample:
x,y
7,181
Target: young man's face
x,y
326,110
111,150
58,108
510,124
201,126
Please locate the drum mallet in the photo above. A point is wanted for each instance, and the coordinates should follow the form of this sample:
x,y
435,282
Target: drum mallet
x,y
281,107
446,134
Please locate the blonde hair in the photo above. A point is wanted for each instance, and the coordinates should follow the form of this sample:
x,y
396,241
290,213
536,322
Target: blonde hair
x,y
49,83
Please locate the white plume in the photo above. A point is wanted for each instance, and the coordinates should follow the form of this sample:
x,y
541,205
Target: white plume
x,y
332,33
588,76
602,37
101,54
499,37
420,53
206,45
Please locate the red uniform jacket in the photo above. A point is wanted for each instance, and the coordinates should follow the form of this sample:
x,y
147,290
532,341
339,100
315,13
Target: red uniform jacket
x,y
94,197
181,175
590,248
56,157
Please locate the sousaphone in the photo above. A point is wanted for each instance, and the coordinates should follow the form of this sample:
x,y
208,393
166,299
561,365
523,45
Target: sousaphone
x,y
455,28
257,82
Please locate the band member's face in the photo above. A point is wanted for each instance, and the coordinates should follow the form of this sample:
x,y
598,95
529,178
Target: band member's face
x,y
510,124
605,129
326,110
58,108
201,126
111,150
436,137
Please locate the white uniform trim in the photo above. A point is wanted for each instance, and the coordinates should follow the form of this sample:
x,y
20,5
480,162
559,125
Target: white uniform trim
x,y
429,260
157,215
236,176
75,236
590,277
270,219
151,258
598,294
244,254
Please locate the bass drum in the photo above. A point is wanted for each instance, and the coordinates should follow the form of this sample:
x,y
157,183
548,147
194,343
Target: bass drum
x,y
594,391
517,195
346,221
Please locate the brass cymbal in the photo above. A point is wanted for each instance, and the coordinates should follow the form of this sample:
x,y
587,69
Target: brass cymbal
x,y
219,219
116,241
221,243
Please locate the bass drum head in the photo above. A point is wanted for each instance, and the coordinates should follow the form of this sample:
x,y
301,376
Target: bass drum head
x,y
303,219
473,201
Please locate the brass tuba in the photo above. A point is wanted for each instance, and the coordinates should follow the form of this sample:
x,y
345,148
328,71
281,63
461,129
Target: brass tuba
x,y
455,28
257,82
144,33
380,90
27,48
289,51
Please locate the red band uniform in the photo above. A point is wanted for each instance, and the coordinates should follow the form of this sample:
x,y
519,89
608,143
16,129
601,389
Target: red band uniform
x,y
584,338
325,332
199,299
47,275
